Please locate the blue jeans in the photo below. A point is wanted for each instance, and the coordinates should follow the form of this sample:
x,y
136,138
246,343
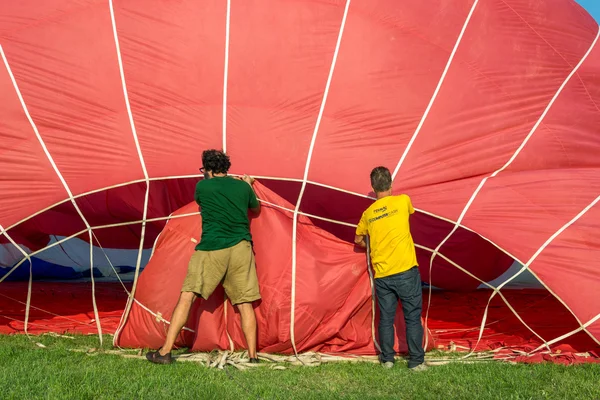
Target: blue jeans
x,y
406,288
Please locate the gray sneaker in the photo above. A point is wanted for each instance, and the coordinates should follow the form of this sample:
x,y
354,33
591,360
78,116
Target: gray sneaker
x,y
388,365
419,368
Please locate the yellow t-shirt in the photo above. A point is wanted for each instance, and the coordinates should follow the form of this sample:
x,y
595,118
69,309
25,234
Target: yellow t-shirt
x,y
386,223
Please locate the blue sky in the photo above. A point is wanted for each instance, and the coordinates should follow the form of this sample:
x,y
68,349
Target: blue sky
x,y
592,6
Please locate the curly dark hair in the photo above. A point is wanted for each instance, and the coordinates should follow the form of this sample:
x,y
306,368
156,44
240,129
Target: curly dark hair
x,y
215,161
381,179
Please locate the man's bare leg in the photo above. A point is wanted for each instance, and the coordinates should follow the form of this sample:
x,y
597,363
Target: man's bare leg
x,y
249,326
178,320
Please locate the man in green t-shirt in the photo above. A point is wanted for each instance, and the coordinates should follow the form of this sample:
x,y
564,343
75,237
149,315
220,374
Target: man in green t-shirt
x,y
224,253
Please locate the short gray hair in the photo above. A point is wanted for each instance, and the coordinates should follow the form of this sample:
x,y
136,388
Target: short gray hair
x,y
381,179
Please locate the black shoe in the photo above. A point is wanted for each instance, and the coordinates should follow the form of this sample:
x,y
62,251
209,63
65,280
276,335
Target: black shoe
x,y
254,361
155,357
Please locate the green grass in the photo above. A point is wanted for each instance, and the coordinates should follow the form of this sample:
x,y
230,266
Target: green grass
x,y
55,372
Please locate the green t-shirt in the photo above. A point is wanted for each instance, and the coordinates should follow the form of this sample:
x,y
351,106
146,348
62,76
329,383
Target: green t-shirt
x,y
224,203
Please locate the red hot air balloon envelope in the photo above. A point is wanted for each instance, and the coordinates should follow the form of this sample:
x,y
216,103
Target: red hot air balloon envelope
x,y
486,112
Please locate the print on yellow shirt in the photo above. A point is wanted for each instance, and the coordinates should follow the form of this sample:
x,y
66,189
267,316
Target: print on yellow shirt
x,y
386,222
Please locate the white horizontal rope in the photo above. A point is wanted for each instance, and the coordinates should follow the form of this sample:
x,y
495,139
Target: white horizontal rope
x,y
436,91
191,176
119,224
142,164
159,317
171,216
454,264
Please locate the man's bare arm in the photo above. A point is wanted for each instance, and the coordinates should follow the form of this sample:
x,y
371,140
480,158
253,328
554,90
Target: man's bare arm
x,y
359,240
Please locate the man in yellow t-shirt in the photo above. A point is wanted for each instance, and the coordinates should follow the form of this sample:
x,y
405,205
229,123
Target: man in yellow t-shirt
x,y
397,277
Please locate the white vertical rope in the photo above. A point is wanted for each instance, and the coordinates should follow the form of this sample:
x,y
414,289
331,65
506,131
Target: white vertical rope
x,y
225,81
29,285
143,165
437,90
28,304
226,74
422,121
231,346
305,178
372,283
257,177
512,158
96,313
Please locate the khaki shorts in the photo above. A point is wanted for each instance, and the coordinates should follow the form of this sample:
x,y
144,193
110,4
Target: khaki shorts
x,y
234,266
